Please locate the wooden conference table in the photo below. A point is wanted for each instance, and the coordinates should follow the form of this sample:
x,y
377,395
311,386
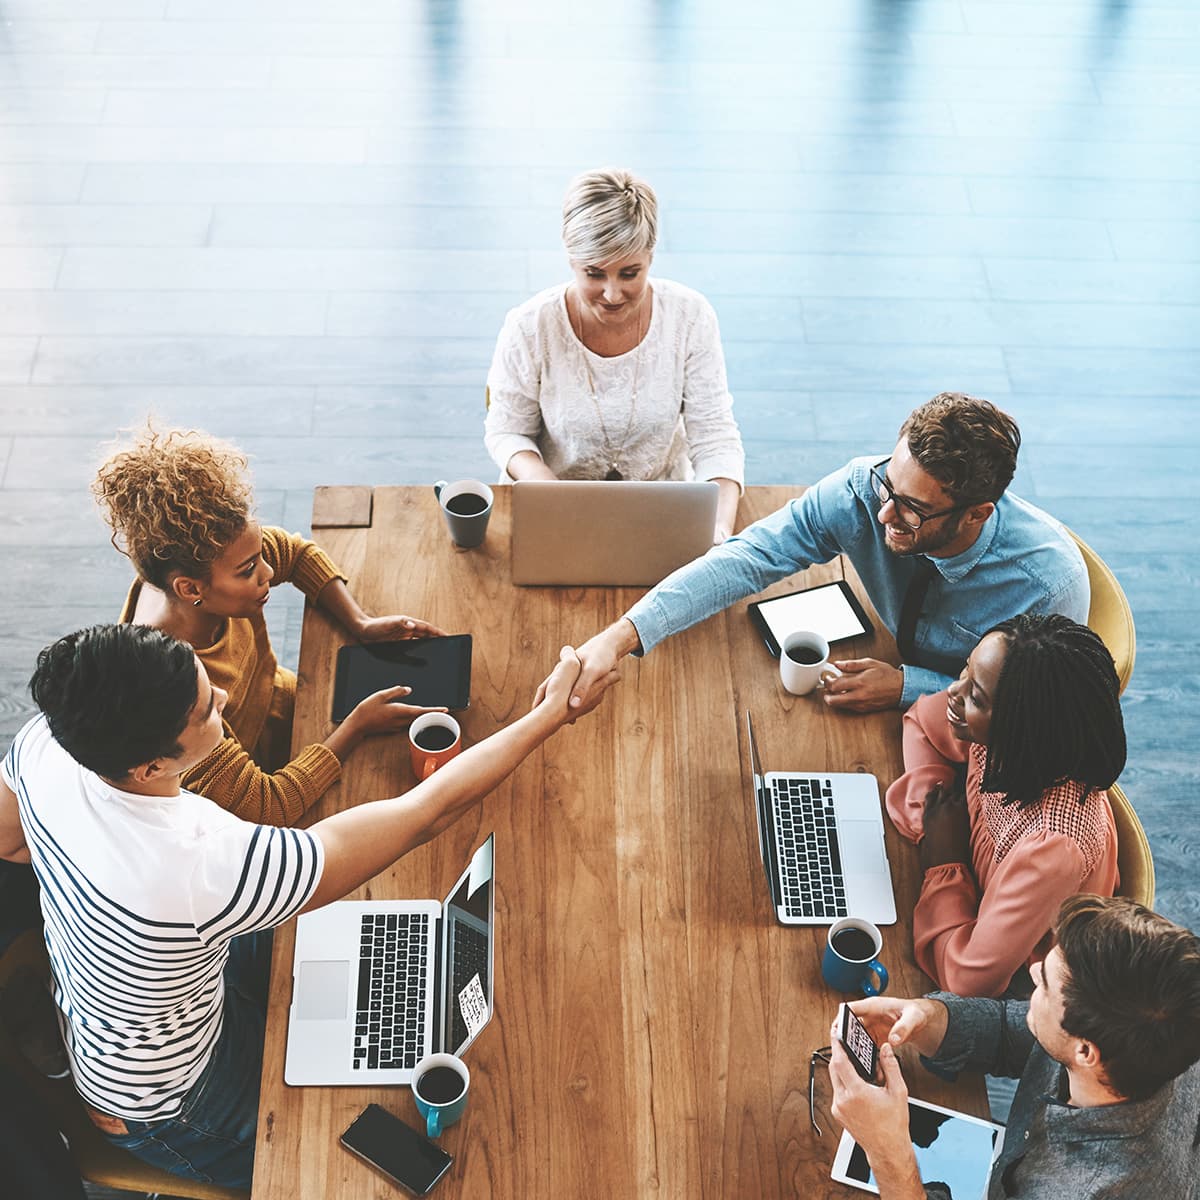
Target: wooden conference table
x,y
653,1022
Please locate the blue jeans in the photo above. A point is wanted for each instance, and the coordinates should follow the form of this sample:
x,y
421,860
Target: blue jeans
x,y
212,1138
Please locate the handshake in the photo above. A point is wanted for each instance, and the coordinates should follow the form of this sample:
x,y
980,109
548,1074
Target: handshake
x,y
582,676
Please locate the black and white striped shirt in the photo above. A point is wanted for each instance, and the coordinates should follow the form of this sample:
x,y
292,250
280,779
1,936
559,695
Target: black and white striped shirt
x,y
141,896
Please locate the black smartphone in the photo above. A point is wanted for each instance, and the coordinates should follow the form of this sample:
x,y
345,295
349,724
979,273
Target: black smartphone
x,y
396,1149
860,1046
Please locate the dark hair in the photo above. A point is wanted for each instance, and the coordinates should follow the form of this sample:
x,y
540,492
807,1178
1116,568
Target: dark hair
x,y
968,445
116,696
1056,714
1132,989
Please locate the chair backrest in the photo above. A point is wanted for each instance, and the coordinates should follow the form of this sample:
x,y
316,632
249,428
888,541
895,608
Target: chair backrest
x,y
1134,861
1109,614
96,1158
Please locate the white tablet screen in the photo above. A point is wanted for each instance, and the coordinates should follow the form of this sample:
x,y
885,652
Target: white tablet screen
x,y
951,1148
824,610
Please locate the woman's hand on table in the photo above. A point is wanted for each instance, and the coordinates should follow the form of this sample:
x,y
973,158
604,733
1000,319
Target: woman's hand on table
x,y
393,628
864,685
386,712
947,826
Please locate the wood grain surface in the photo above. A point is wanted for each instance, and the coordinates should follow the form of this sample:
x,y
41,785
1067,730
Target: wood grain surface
x,y
653,1022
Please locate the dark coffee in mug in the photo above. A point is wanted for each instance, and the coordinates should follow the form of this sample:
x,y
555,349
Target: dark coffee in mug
x,y
434,738
440,1085
805,655
466,504
854,944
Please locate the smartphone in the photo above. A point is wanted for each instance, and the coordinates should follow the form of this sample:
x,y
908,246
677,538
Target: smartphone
x,y
860,1046
396,1149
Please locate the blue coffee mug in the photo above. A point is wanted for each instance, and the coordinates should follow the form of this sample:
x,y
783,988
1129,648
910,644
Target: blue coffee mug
x,y
851,971
440,1114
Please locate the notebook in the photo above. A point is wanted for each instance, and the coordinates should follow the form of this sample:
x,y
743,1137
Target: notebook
x,y
377,985
821,841
601,534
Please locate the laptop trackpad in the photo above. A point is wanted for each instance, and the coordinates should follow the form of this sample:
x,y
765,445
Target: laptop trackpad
x,y
321,991
861,847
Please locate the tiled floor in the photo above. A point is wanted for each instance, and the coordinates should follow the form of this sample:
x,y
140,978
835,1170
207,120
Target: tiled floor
x,y
300,226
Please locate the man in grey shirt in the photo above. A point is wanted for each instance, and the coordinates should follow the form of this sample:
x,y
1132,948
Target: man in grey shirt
x,y
1107,1050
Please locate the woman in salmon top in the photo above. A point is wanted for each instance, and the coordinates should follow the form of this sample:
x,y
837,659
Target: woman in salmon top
x,y
180,508
1004,791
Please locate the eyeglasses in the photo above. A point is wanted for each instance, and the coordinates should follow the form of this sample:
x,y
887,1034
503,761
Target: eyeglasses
x,y
905,511
822,1055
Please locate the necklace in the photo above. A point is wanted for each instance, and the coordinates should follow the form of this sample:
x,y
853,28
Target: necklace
x,y
614,467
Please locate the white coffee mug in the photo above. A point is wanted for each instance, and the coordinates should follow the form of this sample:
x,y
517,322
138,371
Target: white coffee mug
x,y
804,662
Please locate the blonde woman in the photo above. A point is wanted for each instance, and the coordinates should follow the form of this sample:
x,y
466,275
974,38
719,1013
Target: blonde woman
x,y
615,374
179,506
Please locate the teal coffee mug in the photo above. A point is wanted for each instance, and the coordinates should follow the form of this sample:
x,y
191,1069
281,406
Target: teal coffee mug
x,y
466,507
852,957
440,1083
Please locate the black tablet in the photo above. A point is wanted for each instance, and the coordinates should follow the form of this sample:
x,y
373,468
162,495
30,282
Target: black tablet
x,y
831,609
437,669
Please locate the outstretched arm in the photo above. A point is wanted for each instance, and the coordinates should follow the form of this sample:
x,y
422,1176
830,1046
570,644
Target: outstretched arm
x,y
362,841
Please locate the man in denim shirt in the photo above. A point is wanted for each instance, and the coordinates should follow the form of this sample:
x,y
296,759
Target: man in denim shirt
x,y
1107,1050
932,534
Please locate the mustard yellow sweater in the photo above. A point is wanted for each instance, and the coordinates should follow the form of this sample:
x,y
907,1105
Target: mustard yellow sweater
x,y
239,774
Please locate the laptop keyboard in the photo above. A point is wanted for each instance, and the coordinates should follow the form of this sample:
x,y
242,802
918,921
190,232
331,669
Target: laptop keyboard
x,y
470,959
810,863
390,1010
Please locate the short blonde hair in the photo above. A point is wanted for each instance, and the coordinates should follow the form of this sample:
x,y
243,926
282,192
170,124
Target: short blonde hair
x,y
608,215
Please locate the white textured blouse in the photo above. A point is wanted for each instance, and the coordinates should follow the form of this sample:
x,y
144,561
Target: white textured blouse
x,y
541,396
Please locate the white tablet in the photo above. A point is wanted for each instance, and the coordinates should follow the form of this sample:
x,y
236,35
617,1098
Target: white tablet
x,y
951,1148
830,609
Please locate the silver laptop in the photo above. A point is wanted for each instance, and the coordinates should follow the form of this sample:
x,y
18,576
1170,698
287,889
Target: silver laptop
x,y
378,984
821,841
601,534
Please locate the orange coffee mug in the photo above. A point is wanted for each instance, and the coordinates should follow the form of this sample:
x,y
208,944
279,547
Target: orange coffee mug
x,y
433,740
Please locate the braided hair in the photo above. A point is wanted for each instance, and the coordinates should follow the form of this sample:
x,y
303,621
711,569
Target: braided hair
x,y
1056,713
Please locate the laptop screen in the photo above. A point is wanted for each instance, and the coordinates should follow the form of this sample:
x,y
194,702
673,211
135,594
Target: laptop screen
x,y
467,952
761,815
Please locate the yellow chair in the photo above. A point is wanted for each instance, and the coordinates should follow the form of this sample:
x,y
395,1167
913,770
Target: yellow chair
x,y
96,1159
1134,861
1109,614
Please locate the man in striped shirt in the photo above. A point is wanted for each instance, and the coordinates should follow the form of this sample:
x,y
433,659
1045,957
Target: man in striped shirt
x,y
159,905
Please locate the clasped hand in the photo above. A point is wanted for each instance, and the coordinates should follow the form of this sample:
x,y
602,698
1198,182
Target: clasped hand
x,y
947,827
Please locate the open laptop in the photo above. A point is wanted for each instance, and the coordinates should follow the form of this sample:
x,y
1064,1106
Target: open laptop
x,y
821,841
378,984
602,534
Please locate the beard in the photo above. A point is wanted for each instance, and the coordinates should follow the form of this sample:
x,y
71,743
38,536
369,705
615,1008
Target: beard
x,y
931,541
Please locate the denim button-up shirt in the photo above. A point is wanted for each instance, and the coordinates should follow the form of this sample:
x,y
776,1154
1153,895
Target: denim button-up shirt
x,y
1022,561
1052,1151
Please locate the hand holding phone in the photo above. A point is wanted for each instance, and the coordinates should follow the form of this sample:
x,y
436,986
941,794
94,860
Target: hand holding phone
x,y
860,1047
396,1149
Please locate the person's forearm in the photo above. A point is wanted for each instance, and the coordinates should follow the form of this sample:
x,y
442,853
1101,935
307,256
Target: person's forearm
x,y
525,464
622,636
362,841
727,504
336,599
897,1175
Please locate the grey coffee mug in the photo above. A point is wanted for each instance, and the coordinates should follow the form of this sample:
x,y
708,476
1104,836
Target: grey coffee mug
x,y
466,505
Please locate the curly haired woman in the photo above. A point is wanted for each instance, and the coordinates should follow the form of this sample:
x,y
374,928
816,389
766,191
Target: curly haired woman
x,y
179,505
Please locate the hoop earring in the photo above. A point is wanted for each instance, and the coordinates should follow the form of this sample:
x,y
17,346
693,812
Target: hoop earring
x,y
196,602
